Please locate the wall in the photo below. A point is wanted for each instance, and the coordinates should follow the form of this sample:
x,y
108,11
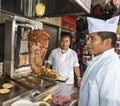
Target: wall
x,y
54,21
3,17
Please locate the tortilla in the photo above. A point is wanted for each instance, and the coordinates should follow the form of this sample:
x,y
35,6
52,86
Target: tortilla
x,y
4,91
7,85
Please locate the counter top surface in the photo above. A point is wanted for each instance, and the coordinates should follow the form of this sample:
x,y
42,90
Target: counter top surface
x,y
62,89
67,90
15,91
59,89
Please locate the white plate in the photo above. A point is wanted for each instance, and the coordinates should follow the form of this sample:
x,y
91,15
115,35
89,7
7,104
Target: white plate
x,y
23,103
38,103
62,78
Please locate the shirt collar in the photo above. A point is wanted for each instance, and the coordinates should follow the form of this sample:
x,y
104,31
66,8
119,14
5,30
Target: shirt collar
x,y
64,52
106,53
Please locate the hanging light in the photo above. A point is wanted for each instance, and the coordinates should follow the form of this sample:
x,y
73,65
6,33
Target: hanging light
x,y
40,9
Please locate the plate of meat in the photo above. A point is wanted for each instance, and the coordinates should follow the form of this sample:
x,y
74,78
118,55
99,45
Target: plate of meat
x,y
60,100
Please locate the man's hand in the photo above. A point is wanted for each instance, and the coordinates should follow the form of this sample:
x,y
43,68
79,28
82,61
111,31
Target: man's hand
x,y
75,95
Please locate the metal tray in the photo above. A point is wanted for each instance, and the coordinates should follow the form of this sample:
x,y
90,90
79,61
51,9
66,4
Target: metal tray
x,y
59,78
35,82
17,89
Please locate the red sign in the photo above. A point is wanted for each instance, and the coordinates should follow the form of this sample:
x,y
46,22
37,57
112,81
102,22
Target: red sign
x,y
69,22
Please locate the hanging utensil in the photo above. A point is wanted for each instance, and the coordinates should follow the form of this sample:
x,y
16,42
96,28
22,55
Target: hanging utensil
x,y
40,8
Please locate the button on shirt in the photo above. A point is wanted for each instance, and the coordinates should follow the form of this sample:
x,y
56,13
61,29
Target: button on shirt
x,y
64,63
100,85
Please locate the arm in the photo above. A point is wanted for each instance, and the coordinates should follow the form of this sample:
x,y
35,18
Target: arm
x,y
77,69
77,72
50,60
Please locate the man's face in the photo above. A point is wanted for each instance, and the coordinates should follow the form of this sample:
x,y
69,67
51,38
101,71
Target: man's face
x,y
95,44
65,43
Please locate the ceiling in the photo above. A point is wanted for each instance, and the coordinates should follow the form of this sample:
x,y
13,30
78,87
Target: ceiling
x,y
53,7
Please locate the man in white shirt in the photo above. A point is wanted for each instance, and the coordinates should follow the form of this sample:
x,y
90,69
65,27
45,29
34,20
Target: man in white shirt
x,y
100,84
64,60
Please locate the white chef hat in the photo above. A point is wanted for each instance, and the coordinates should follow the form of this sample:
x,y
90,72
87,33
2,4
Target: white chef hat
x,y
98,25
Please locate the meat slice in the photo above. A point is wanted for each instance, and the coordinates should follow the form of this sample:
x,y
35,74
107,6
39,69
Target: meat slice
x,y
38,45
60,100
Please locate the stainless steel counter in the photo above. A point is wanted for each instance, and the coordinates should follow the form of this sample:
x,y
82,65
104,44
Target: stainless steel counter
x,y
60,89
67,90
14,93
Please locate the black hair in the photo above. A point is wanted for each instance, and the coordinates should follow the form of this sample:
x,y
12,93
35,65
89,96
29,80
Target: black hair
x,y
65,34
106,35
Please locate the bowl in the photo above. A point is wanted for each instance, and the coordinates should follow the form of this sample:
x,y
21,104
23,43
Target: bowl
x,y
40,102
23,103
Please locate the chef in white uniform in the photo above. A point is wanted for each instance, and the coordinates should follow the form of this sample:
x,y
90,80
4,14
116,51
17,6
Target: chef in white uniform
x,y
64,60
100,85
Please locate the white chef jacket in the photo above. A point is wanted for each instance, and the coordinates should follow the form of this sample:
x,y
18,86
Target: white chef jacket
x,y
64,63
100,85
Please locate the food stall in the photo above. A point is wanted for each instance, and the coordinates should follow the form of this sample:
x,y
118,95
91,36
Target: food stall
x,y
18,75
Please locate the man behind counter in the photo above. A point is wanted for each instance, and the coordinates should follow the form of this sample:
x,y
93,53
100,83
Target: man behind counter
x,y
64,60
100,84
